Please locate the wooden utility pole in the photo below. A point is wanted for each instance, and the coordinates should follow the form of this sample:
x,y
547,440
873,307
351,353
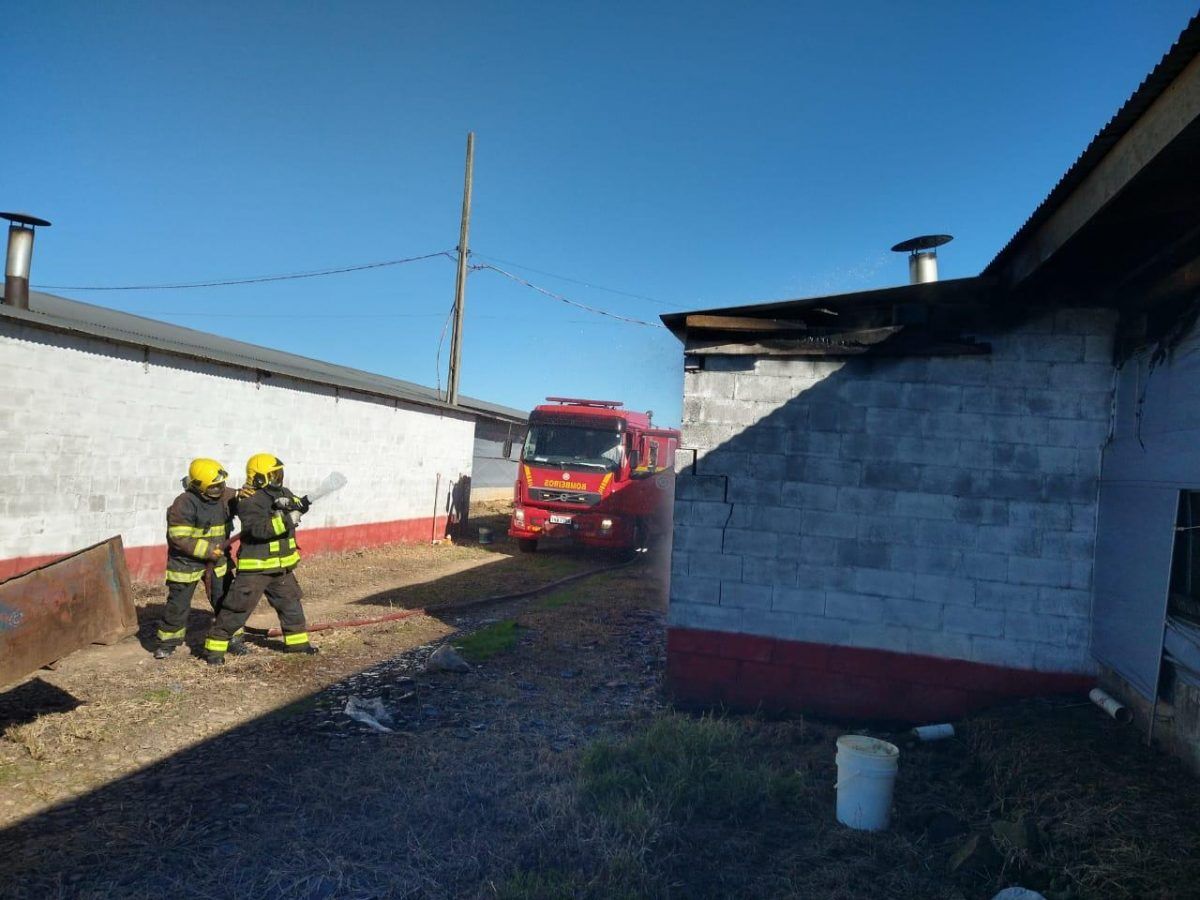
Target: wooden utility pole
x,y
460,286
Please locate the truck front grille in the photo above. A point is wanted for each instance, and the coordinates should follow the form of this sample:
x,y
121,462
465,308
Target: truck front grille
x,y
553,495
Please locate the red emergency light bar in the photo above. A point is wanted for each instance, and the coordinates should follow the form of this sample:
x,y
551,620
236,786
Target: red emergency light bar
x,y
605,404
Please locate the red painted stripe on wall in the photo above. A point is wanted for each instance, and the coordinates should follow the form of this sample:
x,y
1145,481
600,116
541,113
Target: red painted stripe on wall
x,y
149,563
744,671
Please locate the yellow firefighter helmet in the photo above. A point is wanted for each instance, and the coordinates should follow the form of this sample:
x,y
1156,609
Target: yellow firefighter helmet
x,y
207,476
263,469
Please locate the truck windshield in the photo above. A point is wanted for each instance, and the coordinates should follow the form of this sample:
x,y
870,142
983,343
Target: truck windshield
x,y
571,445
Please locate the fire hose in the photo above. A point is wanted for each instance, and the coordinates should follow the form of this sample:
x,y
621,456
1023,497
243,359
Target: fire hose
x,y
444,608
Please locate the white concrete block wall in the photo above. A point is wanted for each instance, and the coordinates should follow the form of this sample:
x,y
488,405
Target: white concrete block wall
x,y
97,436
941,506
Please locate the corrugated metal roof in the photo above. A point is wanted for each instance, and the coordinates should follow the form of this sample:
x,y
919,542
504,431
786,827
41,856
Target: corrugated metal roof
x,y
59,313
1182,52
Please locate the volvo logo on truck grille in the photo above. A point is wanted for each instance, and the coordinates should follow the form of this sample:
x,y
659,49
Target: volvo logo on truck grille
x,y
555,496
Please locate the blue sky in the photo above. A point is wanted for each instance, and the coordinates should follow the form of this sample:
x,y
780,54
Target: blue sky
x,y
695,154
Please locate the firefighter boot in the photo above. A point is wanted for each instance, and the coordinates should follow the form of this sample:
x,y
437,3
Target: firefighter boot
x,y
214,651
305,648
162,651
237,645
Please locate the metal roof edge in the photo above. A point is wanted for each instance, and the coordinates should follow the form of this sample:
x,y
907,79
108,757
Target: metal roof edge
x,y
1173,62
174,339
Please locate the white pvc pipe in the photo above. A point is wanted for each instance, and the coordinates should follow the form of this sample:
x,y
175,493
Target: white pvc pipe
x,y
1111,705
933,732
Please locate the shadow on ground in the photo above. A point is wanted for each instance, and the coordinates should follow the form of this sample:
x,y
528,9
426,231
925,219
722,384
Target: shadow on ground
x,y
33,699
304,802
508,575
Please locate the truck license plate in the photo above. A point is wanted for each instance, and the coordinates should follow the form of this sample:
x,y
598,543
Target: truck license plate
x,y
560,520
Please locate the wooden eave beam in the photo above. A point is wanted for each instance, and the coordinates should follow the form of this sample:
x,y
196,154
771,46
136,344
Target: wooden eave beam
x,y
701,322
1176,108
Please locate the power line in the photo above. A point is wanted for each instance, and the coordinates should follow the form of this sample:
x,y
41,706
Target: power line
x,y
586,284
567,300
437,364
449,254
258,279
291,315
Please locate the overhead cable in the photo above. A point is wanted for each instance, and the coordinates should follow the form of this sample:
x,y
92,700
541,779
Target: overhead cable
x,y
441,340
341,270
258,279
210,314
586,284
567,300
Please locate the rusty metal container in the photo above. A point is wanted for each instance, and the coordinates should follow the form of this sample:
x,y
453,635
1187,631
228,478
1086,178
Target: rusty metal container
x,y
54,610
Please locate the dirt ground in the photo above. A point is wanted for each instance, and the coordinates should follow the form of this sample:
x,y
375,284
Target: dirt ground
x,y
104,712
554,768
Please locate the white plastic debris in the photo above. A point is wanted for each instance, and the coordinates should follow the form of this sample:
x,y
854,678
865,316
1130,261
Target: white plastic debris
x,y
444,659
371,713
937,732
1018,893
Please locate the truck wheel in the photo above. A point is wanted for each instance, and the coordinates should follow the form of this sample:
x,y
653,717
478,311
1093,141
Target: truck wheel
x,y
527,545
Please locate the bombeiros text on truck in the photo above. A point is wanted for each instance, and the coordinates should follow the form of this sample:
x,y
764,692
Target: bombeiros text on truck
x,y
593,473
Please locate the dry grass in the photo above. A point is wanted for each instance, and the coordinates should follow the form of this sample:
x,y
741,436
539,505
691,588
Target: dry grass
x,y
553,770
1113,818
30,737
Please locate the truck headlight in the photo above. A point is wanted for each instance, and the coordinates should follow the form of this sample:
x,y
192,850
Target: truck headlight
x,y
606,524
519,517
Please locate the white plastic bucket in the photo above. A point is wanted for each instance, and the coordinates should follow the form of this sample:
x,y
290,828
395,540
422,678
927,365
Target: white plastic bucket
x,y
866,776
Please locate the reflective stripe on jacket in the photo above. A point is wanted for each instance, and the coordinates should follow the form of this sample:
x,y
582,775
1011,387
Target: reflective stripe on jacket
x,y
268,537
195,525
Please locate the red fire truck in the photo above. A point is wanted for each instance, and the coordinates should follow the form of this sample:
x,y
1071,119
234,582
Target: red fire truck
x,y
594,473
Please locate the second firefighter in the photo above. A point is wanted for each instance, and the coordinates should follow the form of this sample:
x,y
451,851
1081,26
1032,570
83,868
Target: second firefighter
x,y
266,560
198,526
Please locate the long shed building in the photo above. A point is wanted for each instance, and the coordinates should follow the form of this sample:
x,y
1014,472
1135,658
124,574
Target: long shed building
x,y
102,411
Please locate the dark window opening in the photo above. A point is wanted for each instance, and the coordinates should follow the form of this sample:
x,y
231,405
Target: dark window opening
x,y
1185,563
1183,603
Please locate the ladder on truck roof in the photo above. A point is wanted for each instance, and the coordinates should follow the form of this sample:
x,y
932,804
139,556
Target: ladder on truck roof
x,y
604,404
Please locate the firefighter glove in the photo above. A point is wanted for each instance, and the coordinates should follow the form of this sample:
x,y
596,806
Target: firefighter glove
x,y
303,504
283,503
215,553
294,515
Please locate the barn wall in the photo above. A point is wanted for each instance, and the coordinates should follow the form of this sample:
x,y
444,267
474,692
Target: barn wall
x,y
494,472
1154,455
885,521
98,435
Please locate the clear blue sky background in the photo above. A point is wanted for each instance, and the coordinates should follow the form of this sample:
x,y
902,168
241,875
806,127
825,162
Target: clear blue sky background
x,y
697,153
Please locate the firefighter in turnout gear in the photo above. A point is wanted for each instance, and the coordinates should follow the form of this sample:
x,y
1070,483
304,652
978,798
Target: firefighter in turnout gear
x,y
198,526
268,554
